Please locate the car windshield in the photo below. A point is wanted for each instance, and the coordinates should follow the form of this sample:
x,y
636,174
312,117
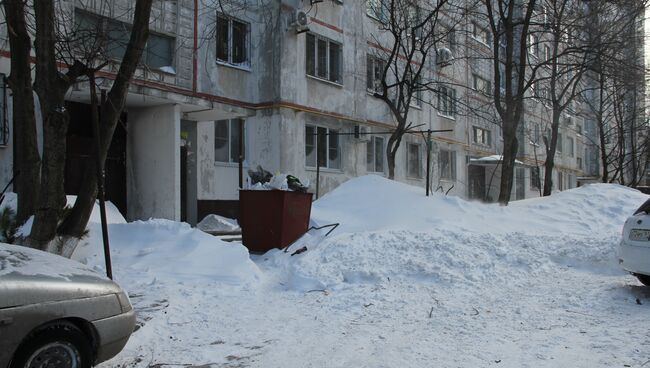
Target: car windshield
x,y
645,207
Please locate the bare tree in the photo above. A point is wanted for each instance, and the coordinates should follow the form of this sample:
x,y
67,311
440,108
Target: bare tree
x,y
51,84
408,36
509,22
615,82
566,57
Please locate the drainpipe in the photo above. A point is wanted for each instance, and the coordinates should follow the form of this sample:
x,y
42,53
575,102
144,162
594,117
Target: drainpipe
x,y
195,46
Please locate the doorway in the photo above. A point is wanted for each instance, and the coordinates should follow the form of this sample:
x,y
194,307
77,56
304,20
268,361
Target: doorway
x,y
80,148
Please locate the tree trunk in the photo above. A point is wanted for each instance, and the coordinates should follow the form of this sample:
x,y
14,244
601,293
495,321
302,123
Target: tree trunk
x,y
392,146
551,149
74,225
26,158
508,163
50,88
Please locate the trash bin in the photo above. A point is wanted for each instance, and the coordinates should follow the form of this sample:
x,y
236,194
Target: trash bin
x,y
273,218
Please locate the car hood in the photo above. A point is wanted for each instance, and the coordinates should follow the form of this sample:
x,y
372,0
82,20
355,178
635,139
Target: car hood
x,y
29,276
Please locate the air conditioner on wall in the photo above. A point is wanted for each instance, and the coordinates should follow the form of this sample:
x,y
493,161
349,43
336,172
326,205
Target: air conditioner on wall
x,y
300,21
361,133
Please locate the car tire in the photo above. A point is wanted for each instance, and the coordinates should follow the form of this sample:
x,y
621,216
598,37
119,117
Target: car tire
x,y
645,279
61,344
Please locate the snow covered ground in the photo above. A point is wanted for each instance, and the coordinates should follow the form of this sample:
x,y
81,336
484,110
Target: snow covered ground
x,y
405,281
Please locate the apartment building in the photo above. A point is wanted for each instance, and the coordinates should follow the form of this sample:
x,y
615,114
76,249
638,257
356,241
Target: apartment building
x,y
223,90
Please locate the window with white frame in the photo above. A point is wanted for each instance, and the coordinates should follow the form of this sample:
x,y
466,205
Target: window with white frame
x,y
447,165
558,148
533,45
232,40
560,181
228,134
322,144
416,91
374,73
4,126
377,9
413,161
482,136
375,154
547,53
446,101
112,36
480,33
569,146
535,182
481,84
324,58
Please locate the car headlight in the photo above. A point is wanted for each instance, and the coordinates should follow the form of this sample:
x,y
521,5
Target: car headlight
x,y
125,303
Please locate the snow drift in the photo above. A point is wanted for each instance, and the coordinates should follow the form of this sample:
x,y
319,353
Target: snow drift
x,y
391,230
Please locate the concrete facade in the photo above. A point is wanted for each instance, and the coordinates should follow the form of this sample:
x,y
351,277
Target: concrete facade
x,y
270,90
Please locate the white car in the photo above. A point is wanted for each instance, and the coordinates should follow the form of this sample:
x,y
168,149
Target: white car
x,y
634,251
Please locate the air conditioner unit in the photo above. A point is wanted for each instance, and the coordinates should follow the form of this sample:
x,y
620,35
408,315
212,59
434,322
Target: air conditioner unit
x,y
300,20
444,57
361,133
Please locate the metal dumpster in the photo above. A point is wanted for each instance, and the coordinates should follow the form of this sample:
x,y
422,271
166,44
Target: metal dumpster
x,y
273,218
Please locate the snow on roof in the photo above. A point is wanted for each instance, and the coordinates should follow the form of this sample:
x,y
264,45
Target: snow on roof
x,y
492,160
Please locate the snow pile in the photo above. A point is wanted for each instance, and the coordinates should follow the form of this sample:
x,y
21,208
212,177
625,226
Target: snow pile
x,y
158,250
166,250
390,230
216,223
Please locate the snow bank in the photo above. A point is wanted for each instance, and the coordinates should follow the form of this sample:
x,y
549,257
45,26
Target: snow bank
x,y
158,250
168,250
391,230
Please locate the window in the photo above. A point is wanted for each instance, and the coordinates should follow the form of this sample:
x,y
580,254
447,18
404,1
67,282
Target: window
x,y
569,142
560,181
112,36
375,154
227,135
451,39
536,134
535,182
547,53
416,91
481,84
413,161
447,165
579,129
579,162
482,136
520,183
374,72
232,41
324,58
4,127
446,101
377,9
480,34
559,143
322,143
533,45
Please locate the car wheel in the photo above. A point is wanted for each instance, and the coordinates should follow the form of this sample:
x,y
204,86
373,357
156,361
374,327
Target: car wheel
x,y
645,279
60,345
